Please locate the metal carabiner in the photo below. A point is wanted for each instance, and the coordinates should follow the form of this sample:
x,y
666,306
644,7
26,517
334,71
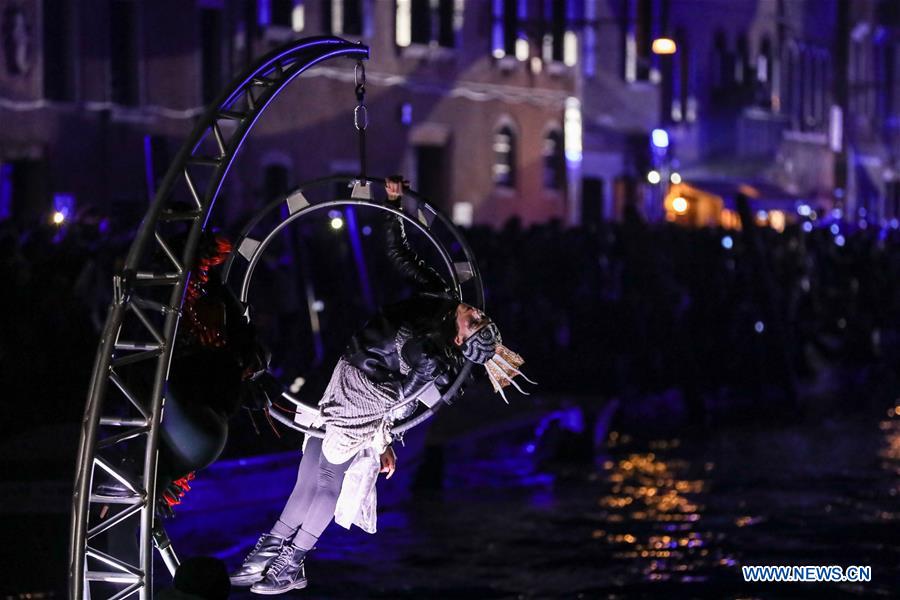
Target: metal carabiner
x,y
361,117
359,74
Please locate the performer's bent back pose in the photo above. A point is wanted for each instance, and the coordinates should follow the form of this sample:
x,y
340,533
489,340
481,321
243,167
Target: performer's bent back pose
x,y
405,347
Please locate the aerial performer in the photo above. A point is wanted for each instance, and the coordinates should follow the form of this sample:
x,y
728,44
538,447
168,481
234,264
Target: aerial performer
x,y
405,347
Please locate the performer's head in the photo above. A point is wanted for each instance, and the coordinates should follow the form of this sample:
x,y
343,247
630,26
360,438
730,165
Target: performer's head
x,y
479,341
476,335
468,321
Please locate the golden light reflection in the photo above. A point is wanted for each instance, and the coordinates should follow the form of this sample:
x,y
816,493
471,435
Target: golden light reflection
x,y
650,492
890,450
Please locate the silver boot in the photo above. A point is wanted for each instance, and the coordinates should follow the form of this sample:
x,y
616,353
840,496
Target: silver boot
x,y
254,567
286,572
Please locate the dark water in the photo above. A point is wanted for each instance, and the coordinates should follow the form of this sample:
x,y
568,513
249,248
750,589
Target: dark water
x,y
663,518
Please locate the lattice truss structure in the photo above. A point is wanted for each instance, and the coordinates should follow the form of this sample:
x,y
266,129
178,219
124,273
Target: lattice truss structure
x,y
125,398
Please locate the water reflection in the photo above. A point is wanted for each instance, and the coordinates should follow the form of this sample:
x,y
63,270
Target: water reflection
x,y
654,514
667,518
890,454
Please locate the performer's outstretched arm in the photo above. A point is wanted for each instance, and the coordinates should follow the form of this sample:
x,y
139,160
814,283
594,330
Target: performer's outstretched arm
x,y
401,253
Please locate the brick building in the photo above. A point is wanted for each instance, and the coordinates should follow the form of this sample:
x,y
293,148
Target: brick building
x,y
539,109
95,102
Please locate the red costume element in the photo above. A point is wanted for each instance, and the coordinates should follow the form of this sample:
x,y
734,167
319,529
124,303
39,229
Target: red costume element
x,y
206,320
176,491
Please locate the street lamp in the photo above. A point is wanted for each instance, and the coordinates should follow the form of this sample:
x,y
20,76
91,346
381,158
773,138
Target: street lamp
x,y
664,45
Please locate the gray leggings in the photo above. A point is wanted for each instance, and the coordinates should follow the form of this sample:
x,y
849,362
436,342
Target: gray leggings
x,y
311,505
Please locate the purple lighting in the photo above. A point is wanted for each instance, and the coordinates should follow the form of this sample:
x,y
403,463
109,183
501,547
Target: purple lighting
x,y
264,12
5,191
148,167
359,258
65,205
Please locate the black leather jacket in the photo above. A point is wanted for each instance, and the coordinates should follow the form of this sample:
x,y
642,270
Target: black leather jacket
x,y
423,326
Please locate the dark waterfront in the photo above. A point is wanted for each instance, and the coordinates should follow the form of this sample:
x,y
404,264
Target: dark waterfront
x,y
661,518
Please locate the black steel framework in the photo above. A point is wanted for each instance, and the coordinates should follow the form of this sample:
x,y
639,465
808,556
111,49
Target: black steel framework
x,y
122,418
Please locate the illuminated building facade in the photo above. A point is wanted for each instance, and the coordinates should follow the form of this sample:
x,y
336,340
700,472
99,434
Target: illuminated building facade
x,y
468,99
539,109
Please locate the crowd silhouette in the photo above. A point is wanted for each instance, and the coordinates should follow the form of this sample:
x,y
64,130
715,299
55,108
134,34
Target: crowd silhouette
x,y
613,310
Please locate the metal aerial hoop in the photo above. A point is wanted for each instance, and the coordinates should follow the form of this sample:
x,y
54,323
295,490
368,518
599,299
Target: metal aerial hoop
x,y
459,262
122,418
141,327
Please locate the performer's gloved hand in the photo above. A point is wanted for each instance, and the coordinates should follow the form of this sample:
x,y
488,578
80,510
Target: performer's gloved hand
x,y
394,186
388,462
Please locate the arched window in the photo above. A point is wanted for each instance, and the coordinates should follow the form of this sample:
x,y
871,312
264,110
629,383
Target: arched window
x,y
505,156
554,160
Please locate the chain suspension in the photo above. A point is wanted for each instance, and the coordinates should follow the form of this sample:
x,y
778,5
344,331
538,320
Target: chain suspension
x,y
361,117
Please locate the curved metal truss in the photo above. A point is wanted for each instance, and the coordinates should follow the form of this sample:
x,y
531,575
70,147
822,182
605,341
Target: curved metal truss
x,y
125,397
458,259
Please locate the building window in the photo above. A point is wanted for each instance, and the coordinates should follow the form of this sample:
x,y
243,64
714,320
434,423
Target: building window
x,y
806,80
428,22
764,64
807,115
123,52
421,21
639,40
59,64
764,74
589,39
789,79
555,27
504,169
17,41
682,104
554,160
210,53
506,34
342,17
510,26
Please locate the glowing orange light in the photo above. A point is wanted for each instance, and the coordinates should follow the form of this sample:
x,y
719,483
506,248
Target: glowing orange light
x,y
664,46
